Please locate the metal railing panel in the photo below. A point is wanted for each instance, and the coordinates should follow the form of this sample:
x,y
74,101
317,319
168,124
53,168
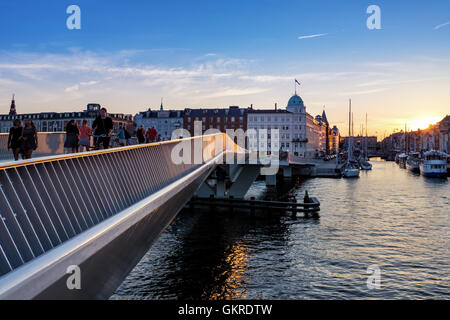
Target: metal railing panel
x,y
119,192
122,181
21,214
11,251
65,195
103,186
72,182
84,199
55,198
39,206
93,184
108,180
47,202
5,265
127,174
34,217
17,234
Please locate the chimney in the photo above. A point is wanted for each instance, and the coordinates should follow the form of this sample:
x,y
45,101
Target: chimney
x,y
276,107
251,106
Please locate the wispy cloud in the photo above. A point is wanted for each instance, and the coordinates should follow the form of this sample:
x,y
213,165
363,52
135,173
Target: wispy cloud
x,y
312,36
77,86
441,25
231,92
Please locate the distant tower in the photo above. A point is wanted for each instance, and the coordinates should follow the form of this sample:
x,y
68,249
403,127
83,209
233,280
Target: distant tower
x,y
12,110
328,131
161,108
324,116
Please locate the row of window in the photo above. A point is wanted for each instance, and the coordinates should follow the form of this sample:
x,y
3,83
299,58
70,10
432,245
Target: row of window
x,y
189,127
275,119
211,119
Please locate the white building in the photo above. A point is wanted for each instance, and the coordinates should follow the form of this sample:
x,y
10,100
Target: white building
x,y
299,132
165,122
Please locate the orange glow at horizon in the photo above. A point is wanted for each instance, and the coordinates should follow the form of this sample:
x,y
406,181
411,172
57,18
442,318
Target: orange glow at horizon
x,y
422,123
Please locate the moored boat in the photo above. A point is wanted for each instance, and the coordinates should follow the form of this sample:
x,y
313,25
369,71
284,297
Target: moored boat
x,y
365,165
350,171
413,162
434,164
448,164
402,160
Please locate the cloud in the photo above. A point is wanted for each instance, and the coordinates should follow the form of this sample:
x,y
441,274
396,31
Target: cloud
x,y
312,36
235,92
363,92
77,86
441,25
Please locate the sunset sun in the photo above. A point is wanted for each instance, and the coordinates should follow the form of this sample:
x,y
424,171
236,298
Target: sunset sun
x,y
422,123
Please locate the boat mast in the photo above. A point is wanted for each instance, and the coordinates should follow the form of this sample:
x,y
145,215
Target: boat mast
x,y
349,130
367,142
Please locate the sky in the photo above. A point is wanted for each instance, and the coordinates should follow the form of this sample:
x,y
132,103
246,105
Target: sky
x,y
130,54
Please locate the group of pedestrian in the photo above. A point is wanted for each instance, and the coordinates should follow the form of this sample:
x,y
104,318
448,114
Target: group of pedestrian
x,y
78,139
149,136
23,140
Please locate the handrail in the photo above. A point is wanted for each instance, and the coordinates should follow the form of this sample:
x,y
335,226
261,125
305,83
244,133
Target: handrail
x,y
22,163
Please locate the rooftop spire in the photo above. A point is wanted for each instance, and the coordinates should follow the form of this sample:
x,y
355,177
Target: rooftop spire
x,y
12,109
324,116
161,108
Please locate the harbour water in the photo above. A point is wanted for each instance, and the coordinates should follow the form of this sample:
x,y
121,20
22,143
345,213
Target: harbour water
x,y
390,218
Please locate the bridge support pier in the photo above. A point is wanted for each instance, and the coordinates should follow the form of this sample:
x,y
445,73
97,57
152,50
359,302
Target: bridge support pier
x,y
229,181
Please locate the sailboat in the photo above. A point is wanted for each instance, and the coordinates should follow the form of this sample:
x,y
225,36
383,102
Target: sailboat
x,y
364,163
351,170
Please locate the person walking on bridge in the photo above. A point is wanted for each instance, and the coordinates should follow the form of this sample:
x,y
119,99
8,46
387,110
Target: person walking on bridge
x,y
151,135
29,139
140,134
72,133
85,136
14,138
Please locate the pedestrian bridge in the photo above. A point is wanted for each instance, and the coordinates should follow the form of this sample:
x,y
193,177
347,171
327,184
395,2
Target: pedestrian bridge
x,y
98,211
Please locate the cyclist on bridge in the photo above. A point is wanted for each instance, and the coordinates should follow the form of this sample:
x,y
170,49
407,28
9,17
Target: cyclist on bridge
x,y
103,126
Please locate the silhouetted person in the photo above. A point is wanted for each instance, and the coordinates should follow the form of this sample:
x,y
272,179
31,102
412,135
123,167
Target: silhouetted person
x,y
140,134
15,137
72,133
29,139
103,126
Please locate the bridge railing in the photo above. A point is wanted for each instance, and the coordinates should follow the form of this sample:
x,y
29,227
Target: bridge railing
x,y
46,201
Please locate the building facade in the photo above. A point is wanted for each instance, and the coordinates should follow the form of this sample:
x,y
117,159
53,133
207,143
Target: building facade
x,y
164,121
220,119
57,121
299,132
435,137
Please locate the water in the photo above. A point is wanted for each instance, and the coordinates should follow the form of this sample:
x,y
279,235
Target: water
x,y
388,217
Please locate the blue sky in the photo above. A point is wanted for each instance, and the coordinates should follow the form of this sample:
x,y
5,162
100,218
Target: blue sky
x,y
129,54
